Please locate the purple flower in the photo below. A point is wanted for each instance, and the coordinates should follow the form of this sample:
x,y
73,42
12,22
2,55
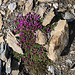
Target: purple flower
x,y
46,58
29,57
32,13
40,53
23,40
14,22
39,59
18,43
22,47
22,59
25,47
25,60
21,34
15,30
32,63
42,49
33,53
29,61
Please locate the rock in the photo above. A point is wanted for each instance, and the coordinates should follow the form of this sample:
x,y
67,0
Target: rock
x,y
5,1
47,47
15,72
2,12
15,67
59,40
52,9
61,10
55,5
48,18
74,6
72,52
71,32
20,3
49,35
69,61
73,67
8,66
60,4
3,52
69,16
69,5
46,0
1,39
1,22
24,12
12,42
28,7
42,10
72,10
40,37
51,69
0,2
12,6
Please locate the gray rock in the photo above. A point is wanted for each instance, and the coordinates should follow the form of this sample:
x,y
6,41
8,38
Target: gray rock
x,y
68,16
12,6
69,61
0,66
71,32
51,69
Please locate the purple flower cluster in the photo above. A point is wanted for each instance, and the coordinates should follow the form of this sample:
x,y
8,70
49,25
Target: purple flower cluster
x,y
31,22
26,27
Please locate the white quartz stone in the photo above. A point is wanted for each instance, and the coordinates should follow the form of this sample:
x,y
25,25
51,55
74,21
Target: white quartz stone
x,y
55,5
12,6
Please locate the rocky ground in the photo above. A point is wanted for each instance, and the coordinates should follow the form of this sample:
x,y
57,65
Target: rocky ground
x,y
9,9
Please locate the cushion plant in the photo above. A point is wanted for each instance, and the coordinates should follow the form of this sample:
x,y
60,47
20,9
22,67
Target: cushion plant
x,y
34,56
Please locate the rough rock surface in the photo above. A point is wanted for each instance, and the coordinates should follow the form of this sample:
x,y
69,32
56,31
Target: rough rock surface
x,y
48,18
12,42
12,6
28,7
40,37
41,9
59,40
20,2
1,39
46,0
1,22
69,16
